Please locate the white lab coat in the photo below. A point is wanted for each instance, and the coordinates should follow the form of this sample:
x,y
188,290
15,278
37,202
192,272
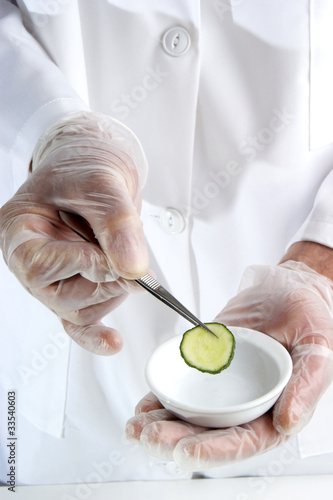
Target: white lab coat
x,y
238,133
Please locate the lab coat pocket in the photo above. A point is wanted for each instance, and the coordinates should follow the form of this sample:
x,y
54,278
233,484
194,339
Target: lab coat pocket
x,y
42,389
35,357
321,73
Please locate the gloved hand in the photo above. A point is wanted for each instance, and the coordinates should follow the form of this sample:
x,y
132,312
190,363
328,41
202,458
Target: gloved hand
x,y
88,170
291,303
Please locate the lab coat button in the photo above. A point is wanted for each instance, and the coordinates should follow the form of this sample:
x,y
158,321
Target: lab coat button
x,y
176,41
172,221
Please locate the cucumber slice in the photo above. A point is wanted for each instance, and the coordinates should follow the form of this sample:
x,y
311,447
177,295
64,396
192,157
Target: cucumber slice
x,y
201,350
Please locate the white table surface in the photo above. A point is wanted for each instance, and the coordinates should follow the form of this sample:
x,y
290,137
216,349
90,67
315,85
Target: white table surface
x,y
256,488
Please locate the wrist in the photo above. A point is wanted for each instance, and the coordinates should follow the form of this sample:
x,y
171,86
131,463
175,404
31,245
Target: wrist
x,y
314,255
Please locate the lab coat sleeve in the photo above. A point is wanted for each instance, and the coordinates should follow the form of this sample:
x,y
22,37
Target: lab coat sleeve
x,y
318,226
33,94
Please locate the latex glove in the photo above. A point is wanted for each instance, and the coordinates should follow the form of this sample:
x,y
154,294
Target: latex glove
x,y
88,170
291,303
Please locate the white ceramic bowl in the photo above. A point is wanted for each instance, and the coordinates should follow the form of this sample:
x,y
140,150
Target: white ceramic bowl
x,y
242,392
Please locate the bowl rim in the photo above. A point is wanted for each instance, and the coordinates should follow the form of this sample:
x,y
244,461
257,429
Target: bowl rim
x,y
256,338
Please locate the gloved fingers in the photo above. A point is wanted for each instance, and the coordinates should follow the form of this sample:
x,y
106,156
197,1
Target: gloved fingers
x,y
113,218
94,313
120,235
96,338
75,293
137,424
148,403
215,448
196,448
40,249
312,374
158,431
81,227
40,262
160,438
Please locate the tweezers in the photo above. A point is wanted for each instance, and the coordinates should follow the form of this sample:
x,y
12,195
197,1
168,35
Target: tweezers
x,y
152,286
